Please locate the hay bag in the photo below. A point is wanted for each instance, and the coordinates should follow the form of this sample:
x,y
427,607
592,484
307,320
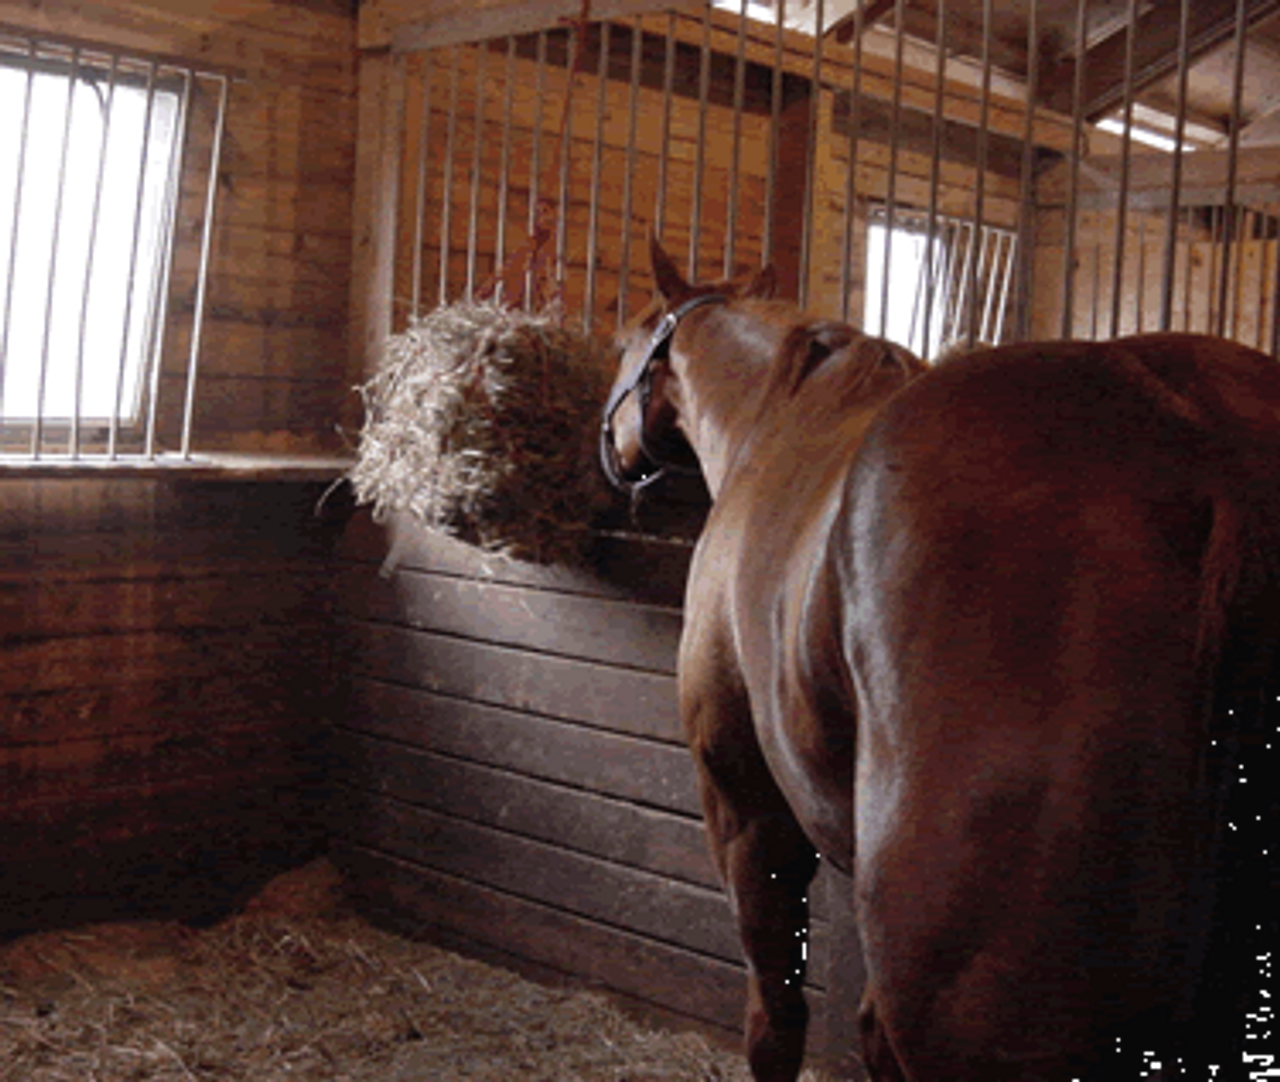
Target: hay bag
x,y
482,422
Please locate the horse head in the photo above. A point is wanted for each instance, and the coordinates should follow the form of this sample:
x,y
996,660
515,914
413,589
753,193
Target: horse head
x,y
640,436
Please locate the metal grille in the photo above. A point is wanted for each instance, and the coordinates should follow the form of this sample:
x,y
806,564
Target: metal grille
x,y
108,150
740,139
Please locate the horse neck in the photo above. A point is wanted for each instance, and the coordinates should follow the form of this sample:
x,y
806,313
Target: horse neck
x,y
721,388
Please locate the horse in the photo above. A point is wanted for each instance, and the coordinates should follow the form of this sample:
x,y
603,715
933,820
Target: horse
x,y
996,638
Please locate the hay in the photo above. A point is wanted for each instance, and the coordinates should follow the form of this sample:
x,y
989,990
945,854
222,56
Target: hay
x,y
298,987
482,422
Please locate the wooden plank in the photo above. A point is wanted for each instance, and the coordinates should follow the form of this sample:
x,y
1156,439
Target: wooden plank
x,y
179,707
572,816
610,763
666,910
617,632
668,977
648,570
262,653
626,701
90,606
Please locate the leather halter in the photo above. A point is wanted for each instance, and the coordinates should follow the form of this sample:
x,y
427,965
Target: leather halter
x,y
652,465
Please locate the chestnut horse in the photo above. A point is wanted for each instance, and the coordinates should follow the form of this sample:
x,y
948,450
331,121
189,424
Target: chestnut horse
x,y
998,638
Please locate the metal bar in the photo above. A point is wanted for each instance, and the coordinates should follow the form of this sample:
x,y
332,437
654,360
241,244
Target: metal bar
x,y
420,187
989,291
19,183
1215,234
1126,153
73,447
891,182
1027,182
981,294
664,144
1002,310
735,156
597,175
775,135
162,295
1175,181
935,173
535,161
37,432
1073,180
446,184
1140,294
851,170
1263,227
504,163
628,177
1187,271
477,161
966,282
1095,303
1233,155
811,156
700,151
980,186
566,160
1275,297
202,275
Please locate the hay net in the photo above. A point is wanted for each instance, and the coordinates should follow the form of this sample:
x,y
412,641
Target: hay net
x,y
481,422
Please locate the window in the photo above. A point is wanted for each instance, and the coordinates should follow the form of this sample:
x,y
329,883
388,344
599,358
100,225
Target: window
x,y
932,307
89,192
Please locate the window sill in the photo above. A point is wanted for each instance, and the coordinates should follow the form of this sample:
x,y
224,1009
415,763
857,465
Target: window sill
x,y
172,467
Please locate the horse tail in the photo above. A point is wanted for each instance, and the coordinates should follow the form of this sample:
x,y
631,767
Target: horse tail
x,y
1233,921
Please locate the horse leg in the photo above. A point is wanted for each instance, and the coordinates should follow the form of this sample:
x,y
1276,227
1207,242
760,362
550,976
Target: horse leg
x,y
766,863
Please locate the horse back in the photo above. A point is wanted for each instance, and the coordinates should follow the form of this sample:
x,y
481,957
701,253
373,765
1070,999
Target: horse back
x,y
1044,547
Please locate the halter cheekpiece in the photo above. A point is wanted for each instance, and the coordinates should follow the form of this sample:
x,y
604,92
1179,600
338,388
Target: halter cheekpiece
x,y
641,382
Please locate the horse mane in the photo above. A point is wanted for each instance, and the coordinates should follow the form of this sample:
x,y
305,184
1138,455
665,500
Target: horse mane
x,y
810,345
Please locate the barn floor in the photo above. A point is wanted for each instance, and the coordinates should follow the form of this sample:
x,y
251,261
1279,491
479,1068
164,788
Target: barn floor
x,y
298,987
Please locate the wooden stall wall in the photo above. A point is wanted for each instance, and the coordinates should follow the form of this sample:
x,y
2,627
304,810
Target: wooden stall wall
x,y
515,781
164,660
275,371
164,639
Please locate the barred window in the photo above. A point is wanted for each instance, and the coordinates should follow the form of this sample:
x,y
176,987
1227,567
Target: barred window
x,y
88,205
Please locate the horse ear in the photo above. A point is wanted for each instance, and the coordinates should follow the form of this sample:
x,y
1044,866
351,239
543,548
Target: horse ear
x,y
764,284
809,345
670,281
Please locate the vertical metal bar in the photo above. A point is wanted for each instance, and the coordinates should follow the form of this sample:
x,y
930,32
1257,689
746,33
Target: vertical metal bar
x,y
37,432
1233,155
1187,270
935,173
980,187
535,162
1073,180
1126,152
576,44
1027,180
998,336
477,163
628,178
597,176
1215,233
891,181
446,185
668,89
1275,295
700,151
811,156
1095,303
981,295
989,278
19,184
420,186
504,159
851,172
1175,181
86,289
735,154
1237,295
202,274
966,282
1264,223
775,135
1140,297
170,214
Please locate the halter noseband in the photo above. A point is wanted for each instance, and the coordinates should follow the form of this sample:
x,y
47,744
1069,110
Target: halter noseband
x,y
659,347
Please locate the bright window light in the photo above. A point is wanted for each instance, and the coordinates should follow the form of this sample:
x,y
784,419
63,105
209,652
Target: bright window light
x,y
84,228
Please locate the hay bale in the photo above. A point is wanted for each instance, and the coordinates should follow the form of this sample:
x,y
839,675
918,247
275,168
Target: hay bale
x,y
482,422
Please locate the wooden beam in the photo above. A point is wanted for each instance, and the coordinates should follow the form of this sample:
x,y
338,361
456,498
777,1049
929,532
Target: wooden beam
x,y
1155,53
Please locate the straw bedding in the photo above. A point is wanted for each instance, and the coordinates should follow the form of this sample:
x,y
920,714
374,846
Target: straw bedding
x,y
482,422
298,987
